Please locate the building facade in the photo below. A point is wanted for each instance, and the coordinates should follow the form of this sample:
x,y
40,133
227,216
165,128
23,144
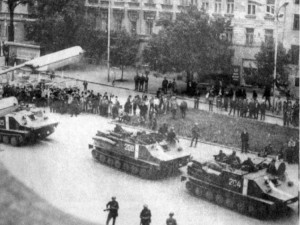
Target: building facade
x,y
22,14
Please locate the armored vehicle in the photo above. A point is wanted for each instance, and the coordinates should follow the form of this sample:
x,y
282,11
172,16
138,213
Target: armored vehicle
x,y
148,156
258,192
21,125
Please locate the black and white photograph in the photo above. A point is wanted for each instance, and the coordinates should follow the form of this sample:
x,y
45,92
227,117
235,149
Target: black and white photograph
x,y
149,112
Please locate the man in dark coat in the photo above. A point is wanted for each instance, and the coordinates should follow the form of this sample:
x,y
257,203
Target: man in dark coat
x,y
112,207
165,85
195,134
244,139
136,81
145,216
171,220
142,81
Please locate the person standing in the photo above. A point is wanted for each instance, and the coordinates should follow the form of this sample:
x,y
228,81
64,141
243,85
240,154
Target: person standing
x,y
136,81
165,85
244,139
195,134
171,220
112,207
210,101
142,81
232,106
196,99
145,216
85,85
146,81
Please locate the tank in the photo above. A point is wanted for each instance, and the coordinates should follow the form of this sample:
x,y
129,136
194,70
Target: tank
x,y
256,192
20,125
146,155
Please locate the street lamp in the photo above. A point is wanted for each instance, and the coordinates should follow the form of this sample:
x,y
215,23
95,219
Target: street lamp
x,y
108,40
276,46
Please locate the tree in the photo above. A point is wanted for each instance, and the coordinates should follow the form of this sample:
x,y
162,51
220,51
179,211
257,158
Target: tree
x,y
265,65
12,4
192,43
57,23
124,49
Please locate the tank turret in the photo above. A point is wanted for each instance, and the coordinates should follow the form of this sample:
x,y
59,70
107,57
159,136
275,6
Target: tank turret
x,y
145,155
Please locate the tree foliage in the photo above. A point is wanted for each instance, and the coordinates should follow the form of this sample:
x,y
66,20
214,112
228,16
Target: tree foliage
x,y
57,23
192,43
265,64
12,4
124,49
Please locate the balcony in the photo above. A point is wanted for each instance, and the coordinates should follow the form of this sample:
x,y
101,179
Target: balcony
x,y
150,5
119,3
92,2
229,15
250,16
269,17
166,6
133,4
182,7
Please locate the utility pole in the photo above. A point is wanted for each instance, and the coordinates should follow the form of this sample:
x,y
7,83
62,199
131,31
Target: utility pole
x,y
108,40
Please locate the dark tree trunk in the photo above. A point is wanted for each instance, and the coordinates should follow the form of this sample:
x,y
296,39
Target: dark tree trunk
x,y
122,67
11,30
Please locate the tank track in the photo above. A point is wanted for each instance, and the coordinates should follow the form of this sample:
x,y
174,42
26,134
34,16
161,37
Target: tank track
x,y
121,163
14,139
242,204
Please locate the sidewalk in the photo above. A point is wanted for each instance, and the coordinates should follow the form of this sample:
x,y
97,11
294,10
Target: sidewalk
x,y
97,75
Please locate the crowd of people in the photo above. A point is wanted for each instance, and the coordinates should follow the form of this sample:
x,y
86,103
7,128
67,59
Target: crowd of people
x,y
235,102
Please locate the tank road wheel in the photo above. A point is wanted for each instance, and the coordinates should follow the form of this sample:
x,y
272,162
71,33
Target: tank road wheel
x,y
144,173
21,140
229,203
209,195
5,140
126,167
252,211
110,162
118,164
262,211
134,170
14,141
102,158
198,191
241,207
94,154
219,199
189,186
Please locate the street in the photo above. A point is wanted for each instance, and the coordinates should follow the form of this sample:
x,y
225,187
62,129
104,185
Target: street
x,y
62,171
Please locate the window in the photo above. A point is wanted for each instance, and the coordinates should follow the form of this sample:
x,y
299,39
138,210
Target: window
x,y
167,2
151,1
251,8
149,27
229,34
194,2
297,2
118,24
269,36
133,27
184,2
218,6
230,6
270,7
296,22
205,5
295,54
297,82
249,36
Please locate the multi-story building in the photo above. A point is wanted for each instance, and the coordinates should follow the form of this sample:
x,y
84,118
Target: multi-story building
x,y
22,14
252,22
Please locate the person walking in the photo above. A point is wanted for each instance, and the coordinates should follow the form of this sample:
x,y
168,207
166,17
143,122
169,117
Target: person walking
x,y
113,207
171,220
195,134
244,139
145,216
